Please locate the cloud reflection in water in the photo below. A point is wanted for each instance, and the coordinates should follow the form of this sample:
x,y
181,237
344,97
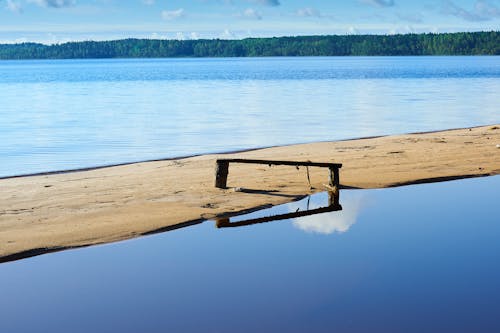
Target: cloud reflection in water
x,y
330,223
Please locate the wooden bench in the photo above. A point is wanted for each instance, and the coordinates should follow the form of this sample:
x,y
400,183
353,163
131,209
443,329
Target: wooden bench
x,y
222,170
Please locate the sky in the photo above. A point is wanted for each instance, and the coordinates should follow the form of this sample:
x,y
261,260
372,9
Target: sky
x,y
57,21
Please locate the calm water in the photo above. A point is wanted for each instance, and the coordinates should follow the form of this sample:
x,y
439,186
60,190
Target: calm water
x,y
77,113
413,259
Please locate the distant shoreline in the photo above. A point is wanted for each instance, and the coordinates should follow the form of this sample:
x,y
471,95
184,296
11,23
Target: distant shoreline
x,y
45,213
460,43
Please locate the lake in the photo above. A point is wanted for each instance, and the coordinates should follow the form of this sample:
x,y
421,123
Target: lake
x,y
417,259
67,114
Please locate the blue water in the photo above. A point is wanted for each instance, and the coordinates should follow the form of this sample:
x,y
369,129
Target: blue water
x,y
64,114
411,259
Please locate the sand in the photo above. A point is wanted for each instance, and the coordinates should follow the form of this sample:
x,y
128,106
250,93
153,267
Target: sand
x,y
51,212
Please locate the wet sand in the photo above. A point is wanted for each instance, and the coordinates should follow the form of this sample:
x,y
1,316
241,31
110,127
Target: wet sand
x,y
42,213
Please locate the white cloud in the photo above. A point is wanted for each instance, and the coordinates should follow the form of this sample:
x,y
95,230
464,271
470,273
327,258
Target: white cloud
x,y
251,13
401,30
148,2
308,12
183,35
330,223
14,6
379,3
483,11
352,31
54,3
227,34
156,35
486,9
180,36
14,41
173,14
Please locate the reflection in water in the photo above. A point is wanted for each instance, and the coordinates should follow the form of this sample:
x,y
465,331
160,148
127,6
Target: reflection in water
x,y
330,223
125,110
419,259
309,207
319,213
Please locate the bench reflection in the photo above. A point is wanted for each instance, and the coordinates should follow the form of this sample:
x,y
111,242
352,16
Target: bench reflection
x,y
333,205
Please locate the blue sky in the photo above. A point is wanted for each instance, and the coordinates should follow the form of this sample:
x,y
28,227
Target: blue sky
x,y
52,21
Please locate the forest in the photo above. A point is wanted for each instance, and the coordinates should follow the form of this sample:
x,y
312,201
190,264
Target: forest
x,y
463,43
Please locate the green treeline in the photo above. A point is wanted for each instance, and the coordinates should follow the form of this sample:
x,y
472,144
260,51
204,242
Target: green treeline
x,y
464,43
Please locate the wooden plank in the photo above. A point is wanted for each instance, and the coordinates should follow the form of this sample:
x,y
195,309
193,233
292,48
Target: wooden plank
x,y
226,223
274,162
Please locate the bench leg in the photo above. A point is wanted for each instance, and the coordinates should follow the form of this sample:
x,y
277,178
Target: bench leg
x,y
222,222
221,172
334,182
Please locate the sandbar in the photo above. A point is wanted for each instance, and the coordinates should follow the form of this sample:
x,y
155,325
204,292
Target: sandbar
x,y
44,213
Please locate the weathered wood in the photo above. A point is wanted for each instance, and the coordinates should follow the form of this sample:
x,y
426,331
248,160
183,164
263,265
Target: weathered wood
x,y
334,182
275,162
221,172
333,178
333,198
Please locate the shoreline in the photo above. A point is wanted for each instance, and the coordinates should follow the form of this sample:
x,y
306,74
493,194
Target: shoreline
x,y
51,212
311,45
48,250
228,152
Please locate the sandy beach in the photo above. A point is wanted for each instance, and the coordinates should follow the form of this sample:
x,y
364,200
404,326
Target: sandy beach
x,y
51,212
